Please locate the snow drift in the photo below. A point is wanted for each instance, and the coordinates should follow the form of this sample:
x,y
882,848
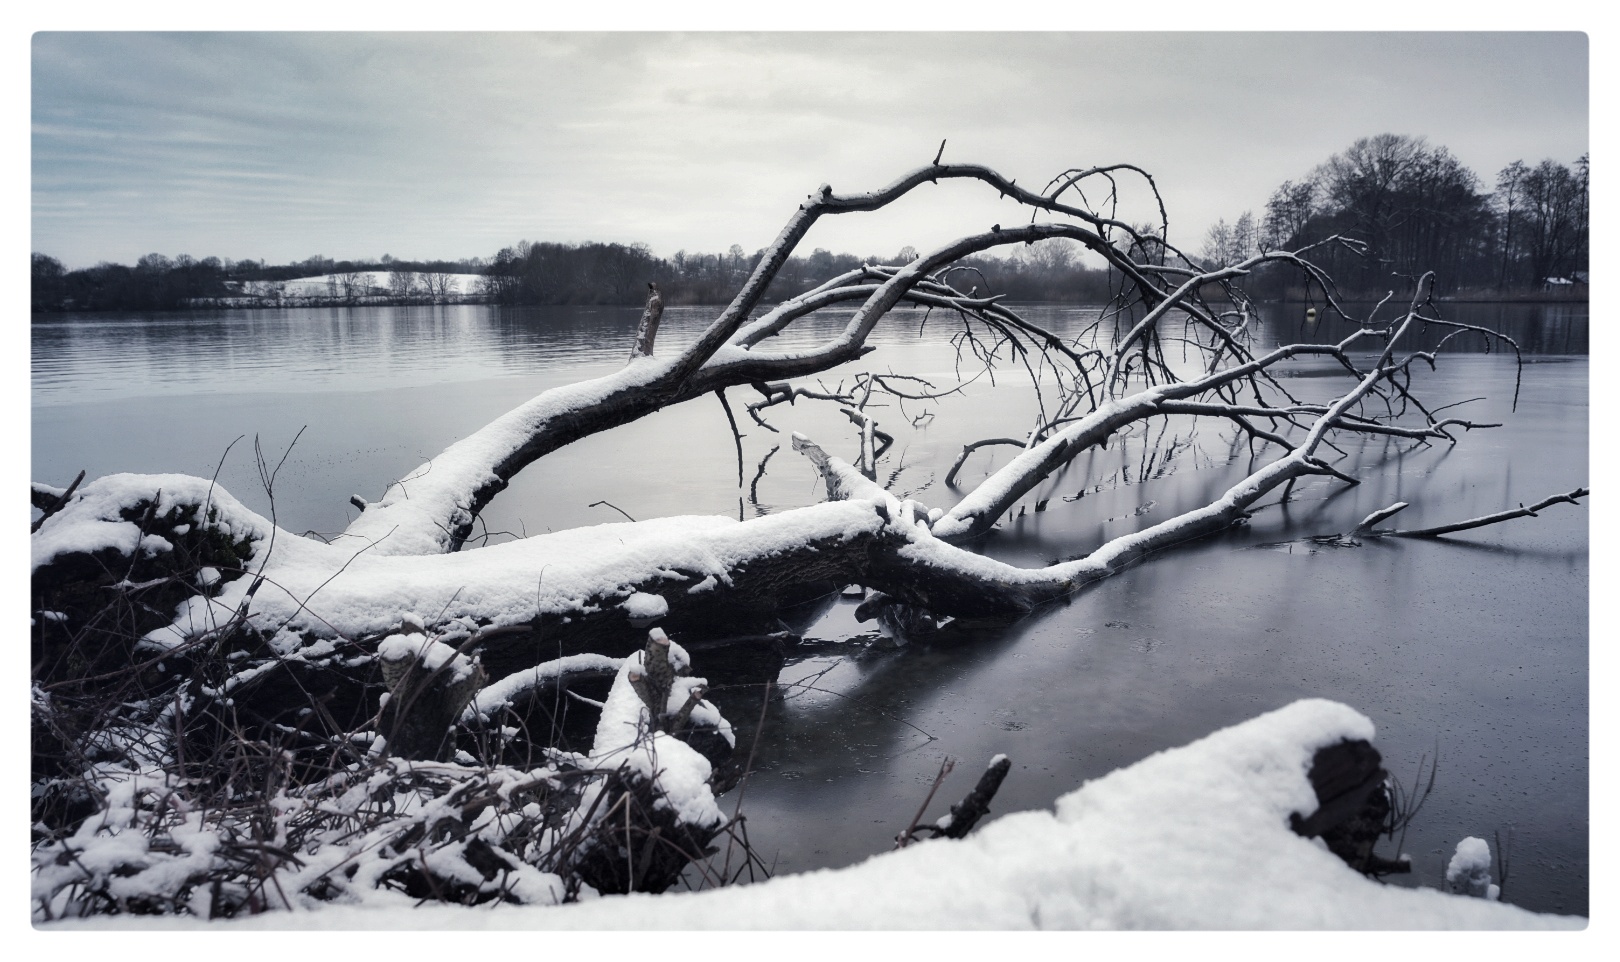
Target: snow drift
x,y
1192,838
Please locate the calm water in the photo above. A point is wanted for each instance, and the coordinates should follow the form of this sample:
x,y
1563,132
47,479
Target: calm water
x,y
1477,646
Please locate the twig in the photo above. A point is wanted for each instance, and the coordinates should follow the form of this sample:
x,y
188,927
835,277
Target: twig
x,y
60,502
753,489
735,434
862,702
597,504
969,448
748,768
904,838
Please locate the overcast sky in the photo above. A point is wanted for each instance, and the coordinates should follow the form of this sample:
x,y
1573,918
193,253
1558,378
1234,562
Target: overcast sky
x,y
280,146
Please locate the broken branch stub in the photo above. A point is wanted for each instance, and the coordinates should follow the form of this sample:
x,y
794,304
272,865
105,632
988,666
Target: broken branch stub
x,y
49,502
1353,806
647,332
429,684
656,679
967,813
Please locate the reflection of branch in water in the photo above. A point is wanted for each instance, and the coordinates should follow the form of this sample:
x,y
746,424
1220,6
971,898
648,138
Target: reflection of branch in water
x,y
1568,556
859,701
1177,445
1540,555
895,474
919,489
1319,506
1157,467
753,489
806,683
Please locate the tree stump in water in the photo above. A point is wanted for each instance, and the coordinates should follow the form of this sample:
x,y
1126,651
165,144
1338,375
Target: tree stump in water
x,y
1353,806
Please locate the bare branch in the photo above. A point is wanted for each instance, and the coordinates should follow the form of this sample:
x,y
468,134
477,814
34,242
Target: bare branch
x,y
1521,511
967,449
49,500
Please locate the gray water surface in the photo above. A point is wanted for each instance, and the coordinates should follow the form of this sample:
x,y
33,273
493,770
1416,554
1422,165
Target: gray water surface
x,y
1476,645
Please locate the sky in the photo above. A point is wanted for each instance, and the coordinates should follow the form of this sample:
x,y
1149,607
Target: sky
x,y
280,146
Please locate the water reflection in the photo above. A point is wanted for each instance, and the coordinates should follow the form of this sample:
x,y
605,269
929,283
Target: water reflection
x,y
104,357
1550,328
356,349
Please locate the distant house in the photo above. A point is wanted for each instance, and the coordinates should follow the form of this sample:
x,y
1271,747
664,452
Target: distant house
x,y
1576,279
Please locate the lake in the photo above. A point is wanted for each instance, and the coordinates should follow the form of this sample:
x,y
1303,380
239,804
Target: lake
x,y
1475,647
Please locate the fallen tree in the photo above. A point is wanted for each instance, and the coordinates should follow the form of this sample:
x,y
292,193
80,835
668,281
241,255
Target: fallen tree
x,y
185,647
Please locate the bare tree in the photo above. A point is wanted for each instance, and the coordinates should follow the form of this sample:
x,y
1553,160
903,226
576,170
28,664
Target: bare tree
x,y
1554,218
1288,212
352,286
1230,243
1048,258
1508,199
438,286
1415,206
403,285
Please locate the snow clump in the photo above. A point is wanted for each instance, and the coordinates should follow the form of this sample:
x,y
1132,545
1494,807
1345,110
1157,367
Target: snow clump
x,y
1469,872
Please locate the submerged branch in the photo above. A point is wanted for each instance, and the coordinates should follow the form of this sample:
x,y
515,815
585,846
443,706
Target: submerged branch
x,y
1521,511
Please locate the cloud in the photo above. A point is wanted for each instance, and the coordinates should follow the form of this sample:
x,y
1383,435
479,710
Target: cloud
x,y
428,145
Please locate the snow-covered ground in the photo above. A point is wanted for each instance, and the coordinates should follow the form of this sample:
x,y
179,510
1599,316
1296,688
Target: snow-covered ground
x,y
361,284
1192,838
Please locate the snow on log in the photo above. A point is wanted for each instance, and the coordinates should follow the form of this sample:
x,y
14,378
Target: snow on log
x,y
628,736
1195,837
313,589
583,589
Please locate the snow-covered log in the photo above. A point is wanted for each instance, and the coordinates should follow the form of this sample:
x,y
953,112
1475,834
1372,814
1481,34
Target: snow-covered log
x,y
1196,837
581,590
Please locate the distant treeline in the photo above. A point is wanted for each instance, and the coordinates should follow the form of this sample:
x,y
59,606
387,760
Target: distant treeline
x,y
530,274
547,273
159,283
1419,209
1415,207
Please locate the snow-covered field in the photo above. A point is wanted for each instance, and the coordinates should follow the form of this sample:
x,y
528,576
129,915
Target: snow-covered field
x,y
1192,838
359,284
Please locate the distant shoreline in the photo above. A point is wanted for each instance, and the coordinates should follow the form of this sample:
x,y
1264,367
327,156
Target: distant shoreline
x,y
1524,297
254,304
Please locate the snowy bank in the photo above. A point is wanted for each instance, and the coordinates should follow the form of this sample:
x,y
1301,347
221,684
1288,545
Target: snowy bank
x,y
1192,838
